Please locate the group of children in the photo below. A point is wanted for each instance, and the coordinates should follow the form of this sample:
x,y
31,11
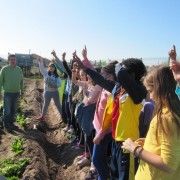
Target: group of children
x,y
110,110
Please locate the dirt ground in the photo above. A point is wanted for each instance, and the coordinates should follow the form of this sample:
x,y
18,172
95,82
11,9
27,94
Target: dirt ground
x,y
50,152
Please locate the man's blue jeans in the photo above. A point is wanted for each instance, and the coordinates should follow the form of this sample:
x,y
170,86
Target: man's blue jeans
x,y
10,107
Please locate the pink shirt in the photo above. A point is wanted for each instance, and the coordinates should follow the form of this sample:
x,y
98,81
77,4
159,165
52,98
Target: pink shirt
x,y
100,107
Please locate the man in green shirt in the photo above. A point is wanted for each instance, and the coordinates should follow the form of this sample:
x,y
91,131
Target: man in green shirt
x,y
11,81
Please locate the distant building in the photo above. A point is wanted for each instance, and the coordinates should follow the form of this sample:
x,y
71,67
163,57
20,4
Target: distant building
x,y
24,61
3,62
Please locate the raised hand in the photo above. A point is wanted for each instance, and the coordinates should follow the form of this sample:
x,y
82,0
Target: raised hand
x,y
54,53
172,53
63,56
78,60
84,52
74,54
174,64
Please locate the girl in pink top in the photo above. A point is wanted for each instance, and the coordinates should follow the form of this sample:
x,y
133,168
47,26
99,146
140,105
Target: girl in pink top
x,y
102,139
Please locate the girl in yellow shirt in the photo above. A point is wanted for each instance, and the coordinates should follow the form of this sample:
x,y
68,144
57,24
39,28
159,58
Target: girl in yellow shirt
x,y
160,155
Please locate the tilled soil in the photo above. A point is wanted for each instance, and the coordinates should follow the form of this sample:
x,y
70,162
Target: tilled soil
x,y
51,155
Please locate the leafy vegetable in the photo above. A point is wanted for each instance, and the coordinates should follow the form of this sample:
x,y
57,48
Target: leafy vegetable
x,y
17,146
21,120
12,169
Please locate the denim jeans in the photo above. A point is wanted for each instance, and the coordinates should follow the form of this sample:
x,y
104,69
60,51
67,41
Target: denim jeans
x,y
100,157
48,95
10,107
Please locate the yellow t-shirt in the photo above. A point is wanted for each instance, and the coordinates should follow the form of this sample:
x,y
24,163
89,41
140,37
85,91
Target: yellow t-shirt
x,y
107,116
166,146
128,121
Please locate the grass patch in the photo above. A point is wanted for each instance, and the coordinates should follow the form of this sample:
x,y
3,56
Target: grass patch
x,y
17,146
13,169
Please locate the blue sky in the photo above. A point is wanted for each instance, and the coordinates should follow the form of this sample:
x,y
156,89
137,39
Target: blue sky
x,y
110,28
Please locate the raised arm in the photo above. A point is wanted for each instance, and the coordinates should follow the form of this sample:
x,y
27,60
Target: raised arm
x,y
174,64
85,61
42,68
68,70
100,80
59,63
95,76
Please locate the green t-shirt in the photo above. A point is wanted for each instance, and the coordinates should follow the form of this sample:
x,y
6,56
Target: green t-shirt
x,y
11,79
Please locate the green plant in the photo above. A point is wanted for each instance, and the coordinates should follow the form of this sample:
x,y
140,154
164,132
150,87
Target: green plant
x,y
12,169
21,120
13,178
17,146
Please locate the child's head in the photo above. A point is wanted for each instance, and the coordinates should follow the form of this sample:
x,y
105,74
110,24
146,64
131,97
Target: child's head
x,y
52,69
75,65
135,67
12,59
148,82
82,75
161,85
108,71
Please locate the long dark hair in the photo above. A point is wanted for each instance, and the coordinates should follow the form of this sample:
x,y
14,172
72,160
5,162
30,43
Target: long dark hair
x,y
135,67
55,70
110,68
163,89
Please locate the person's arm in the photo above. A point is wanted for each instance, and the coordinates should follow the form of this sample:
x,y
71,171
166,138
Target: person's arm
x,y
135,90
151,158
85,61
100,80
42,69
174,64
68,70
95,76
100,135
59,63
175,67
